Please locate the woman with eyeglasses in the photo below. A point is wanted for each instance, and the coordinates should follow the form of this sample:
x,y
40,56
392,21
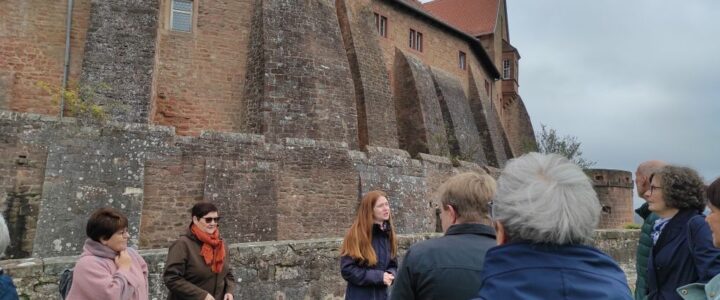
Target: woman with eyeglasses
x,y
682,251
107,267
196,267
369,251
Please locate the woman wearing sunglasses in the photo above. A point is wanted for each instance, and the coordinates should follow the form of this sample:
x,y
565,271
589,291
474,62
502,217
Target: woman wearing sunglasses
x,y
196,267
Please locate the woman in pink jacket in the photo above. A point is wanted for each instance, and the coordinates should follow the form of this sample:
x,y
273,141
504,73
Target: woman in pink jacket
x,y
107,268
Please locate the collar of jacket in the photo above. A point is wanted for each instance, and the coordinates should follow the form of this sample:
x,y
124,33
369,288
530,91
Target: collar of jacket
x,y
99,250
384,229
674,227
471,228
191,235
643,211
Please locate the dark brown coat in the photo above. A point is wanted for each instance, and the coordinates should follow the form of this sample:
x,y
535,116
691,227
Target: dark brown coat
x,y
188,277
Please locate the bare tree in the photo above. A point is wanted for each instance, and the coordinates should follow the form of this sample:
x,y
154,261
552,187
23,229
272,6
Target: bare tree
x,y
549,141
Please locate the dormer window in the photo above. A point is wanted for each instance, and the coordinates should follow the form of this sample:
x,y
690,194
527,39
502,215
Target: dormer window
x,y
506,69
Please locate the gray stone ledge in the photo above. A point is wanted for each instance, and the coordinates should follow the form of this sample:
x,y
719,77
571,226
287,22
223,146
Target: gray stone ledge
x,y
245,138
374,151
306,142
435,159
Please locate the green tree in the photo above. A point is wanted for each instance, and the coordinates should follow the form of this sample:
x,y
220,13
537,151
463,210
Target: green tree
x,y
549,141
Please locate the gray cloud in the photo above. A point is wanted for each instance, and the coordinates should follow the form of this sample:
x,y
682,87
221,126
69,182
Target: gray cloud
x,y
633,80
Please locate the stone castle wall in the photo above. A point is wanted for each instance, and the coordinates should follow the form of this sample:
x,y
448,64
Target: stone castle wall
x,y
200,75
123,32
283,69
55,173
32,35
307,269
58,172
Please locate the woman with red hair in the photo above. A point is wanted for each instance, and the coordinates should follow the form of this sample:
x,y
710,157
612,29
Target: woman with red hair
x,y
369,251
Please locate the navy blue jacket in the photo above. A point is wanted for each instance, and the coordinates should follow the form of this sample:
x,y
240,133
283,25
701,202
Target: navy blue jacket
x,y
671,263
447,267
528,271
7,288
366,282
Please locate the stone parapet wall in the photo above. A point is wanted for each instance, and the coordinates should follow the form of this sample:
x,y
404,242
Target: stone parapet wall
x,y
621,245
54,173
307,269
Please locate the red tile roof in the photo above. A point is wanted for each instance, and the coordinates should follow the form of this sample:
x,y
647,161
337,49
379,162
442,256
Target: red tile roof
x,y
476,17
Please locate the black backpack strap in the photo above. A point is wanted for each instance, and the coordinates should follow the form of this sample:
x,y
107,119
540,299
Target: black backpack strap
x,y
65,283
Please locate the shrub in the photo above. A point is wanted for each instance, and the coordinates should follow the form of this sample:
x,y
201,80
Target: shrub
x,y
79,100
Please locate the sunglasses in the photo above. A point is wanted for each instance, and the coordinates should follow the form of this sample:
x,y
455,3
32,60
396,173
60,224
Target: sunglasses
x,y
210,220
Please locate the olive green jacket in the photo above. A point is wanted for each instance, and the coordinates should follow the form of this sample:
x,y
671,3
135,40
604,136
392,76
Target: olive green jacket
x,y
643,250
188,277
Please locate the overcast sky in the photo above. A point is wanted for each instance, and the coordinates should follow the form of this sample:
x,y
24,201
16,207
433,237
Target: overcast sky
x,y
632,80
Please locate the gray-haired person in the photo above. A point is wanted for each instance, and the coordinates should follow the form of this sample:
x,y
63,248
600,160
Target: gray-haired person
x,y
449,267
545,213
7,288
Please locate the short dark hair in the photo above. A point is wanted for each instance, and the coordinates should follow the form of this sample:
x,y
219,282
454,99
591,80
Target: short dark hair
x,y
682,187
201,209
713,193
105,222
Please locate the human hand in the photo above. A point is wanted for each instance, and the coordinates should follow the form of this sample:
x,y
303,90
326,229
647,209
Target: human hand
x,y
228,296
123,260
208,297
388,278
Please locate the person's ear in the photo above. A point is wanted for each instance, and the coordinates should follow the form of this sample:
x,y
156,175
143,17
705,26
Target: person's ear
x,y
453,214
500,235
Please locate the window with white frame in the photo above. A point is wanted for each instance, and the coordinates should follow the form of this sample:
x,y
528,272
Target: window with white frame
x,y
381,24
181,15
506,69
462,60
416,40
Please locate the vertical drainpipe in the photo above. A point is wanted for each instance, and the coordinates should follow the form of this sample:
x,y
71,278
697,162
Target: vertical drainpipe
x,y
66,66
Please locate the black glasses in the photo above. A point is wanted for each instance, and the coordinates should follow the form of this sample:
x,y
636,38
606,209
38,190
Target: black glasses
x,y
210,220
653,188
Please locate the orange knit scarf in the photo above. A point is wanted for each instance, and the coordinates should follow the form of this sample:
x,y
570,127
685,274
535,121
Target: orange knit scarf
x,y
213,248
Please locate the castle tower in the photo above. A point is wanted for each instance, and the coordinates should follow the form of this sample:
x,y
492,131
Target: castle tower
x,y
615,192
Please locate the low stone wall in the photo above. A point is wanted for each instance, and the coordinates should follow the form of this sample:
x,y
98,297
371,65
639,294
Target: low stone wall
x,y
307,269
